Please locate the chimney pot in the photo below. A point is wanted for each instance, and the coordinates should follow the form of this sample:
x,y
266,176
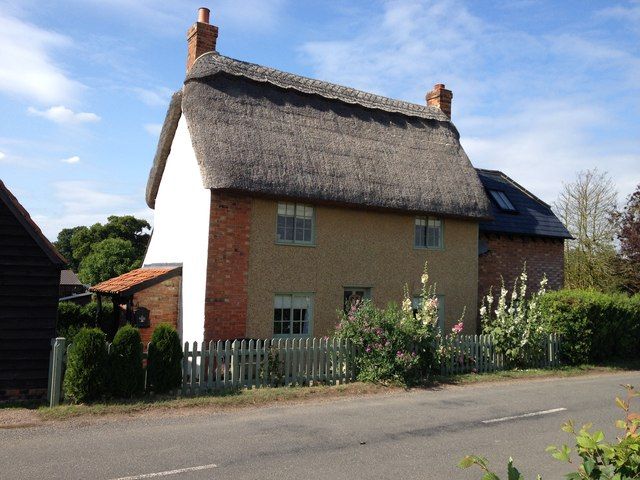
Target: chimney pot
x,y
440,97
201,37
203,15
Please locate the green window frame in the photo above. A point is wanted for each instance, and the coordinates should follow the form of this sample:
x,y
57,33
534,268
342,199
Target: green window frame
x,y
416,303
293,315
295,224
429,233
351,294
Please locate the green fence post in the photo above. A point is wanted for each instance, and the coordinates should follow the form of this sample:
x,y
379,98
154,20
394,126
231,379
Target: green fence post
x,y
56,365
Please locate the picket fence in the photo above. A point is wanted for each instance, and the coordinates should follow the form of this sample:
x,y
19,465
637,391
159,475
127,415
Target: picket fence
x,y
478,353
242,364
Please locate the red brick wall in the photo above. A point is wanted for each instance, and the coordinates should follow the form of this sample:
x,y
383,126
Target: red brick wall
x,y
507,255
162,300
226,294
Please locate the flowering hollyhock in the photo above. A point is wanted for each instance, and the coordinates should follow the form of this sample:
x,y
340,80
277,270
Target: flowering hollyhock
x,y
457,328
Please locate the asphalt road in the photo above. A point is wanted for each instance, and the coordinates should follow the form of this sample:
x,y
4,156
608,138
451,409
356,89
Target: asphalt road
x,y
407,435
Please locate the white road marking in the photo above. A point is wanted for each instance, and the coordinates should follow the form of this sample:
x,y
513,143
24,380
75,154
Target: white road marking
x,y
525,415
168,472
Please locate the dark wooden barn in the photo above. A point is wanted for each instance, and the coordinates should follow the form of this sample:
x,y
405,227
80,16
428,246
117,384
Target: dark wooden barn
x,y
29,283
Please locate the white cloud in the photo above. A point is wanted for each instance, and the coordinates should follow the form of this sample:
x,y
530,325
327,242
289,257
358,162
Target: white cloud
x,y
2,155
26,66
153,128
71,160
530,104
154,97
82,202
63,115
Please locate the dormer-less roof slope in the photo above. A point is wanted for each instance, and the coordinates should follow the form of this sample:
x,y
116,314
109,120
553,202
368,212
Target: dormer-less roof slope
x,y
23,217
265,132
532,217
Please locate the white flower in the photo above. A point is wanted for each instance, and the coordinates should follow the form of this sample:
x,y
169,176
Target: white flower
x,y
425,278
483,311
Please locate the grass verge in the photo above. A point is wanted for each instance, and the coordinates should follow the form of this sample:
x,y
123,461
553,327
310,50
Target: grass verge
x,y
234,399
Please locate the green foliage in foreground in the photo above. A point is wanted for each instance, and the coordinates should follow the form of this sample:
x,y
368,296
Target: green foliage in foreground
x,y
598,459
87,363
125,362
164,369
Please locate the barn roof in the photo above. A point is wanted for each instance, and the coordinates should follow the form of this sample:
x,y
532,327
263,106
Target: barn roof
x,y
30,226
531,217
265,132
135,280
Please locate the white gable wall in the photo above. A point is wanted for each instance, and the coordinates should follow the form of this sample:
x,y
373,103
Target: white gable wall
x,y
181,230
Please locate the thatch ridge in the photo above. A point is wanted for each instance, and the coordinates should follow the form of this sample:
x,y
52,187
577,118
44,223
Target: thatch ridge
x,y
213,63
167,133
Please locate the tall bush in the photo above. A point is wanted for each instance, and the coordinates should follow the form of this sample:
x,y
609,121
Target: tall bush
x,y
394,345
164,369
515,322
87,363
595,326
125,360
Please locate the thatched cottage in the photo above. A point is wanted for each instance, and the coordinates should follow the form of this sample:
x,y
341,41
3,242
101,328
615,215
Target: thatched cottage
x,y
281,197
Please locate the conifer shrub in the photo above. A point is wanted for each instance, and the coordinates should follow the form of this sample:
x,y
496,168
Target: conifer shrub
x,y
125,363
86,377
164,368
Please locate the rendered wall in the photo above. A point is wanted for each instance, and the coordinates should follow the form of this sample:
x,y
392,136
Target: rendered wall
x,y
357,248
181,229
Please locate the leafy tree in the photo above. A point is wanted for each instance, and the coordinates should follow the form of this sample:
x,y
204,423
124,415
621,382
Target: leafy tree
x,y
629,237
77,244
108,258
587,208
63,244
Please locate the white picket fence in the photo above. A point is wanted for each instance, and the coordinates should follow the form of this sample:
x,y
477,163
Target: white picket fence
x,y
266,363
478,353
242,364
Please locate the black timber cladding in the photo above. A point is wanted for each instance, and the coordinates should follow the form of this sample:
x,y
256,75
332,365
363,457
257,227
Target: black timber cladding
x,y
532,217
29,282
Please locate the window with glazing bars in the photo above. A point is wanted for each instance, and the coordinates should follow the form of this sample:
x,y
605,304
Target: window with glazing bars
x,y
428,232
295,224
292,314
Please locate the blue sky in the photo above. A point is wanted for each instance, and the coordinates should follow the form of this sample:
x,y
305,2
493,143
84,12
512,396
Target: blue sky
x,y
541,89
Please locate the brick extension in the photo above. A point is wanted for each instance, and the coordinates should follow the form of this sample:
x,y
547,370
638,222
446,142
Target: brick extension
x,y
226,294
162,301
507,254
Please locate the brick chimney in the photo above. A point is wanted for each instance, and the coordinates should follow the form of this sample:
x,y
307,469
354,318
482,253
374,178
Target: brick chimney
x,y
201,37
440,97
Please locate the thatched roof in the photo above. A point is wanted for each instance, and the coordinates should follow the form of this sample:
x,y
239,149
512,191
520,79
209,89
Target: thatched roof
x,y
269,133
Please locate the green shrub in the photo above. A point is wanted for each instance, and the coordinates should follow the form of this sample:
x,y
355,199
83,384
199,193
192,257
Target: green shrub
x,y
164,369
72,317
595,326
394,344
87,362
125,363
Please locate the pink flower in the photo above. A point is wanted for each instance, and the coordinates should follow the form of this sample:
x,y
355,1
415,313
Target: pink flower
x,y
368,349
457,328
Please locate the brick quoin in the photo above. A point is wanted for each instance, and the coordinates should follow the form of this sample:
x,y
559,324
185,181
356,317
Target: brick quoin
x,y
507,255
227,267
162,301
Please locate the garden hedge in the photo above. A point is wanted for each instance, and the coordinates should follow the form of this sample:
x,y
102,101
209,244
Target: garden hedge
x,y
87,363
125,363
595,326
72,317
164,368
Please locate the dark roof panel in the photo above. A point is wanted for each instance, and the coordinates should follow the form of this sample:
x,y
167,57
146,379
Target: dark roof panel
x,y
532,217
